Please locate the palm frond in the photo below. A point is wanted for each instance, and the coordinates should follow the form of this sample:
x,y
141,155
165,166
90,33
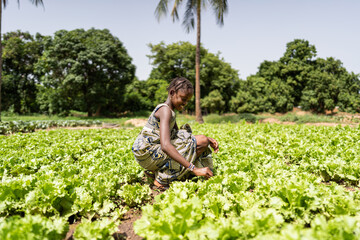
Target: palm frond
x,y
161,9
5,2
220,8
189,16
174,12
36,2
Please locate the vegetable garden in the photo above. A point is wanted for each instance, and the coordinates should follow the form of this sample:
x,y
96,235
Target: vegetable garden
x,y
271,182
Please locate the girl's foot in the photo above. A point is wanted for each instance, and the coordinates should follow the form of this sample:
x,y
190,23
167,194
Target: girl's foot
x,y
149,174
160,186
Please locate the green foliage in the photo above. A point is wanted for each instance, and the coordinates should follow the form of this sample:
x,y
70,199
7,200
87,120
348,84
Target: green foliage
x,y
232,118
134,195
298,79
97,230
21,51
62,173
213,102
272,181
30,126
32,227
84,70
178,59
269,185
145,95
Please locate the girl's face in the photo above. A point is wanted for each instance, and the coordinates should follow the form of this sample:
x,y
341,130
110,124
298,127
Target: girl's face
x,y
181,98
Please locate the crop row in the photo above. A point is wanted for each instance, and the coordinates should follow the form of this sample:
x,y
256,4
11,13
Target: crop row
x,y
30,126
271,181
71,175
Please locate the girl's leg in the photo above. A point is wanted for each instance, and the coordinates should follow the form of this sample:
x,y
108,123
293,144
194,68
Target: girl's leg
x,y
202,143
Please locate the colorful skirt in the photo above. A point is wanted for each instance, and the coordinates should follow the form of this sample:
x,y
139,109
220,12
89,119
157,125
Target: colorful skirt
x,y
151,157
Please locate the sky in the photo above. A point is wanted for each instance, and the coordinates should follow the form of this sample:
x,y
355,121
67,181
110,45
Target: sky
x,y
253,31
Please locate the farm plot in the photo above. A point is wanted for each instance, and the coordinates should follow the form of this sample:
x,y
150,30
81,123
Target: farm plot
x,y
272,182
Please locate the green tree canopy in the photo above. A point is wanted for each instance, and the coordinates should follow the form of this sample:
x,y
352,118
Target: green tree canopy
x,y
3,4
299,79
20,53
145,95
84,70
178,59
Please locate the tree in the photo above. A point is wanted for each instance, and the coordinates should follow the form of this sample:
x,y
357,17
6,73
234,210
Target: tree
x,y
84,70
296,64
298,79
214,102
145,95
178,59
20,53
193,8
4,3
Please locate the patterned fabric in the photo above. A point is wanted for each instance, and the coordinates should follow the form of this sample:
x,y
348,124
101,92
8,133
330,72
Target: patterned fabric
x,y
148,153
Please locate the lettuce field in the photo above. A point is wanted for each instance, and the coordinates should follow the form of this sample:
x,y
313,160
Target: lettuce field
x,y
271,182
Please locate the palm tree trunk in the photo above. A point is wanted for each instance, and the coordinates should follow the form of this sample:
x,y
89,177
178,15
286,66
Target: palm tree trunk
x,y
1,3
198,114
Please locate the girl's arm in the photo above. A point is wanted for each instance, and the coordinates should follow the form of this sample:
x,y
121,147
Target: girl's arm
x,y
164,114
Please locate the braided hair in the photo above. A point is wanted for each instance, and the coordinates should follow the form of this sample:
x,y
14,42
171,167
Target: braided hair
x,y
180,83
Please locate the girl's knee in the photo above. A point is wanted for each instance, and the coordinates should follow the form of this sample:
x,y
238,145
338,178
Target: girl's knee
x,y
202,141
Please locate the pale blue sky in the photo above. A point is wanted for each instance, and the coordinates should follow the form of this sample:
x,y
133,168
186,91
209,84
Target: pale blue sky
x,y
254,30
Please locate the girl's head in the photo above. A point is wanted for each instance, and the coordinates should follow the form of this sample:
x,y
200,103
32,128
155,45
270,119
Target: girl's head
x,y
180,91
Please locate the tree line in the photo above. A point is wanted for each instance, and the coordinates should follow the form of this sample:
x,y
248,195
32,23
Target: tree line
x,y
91,71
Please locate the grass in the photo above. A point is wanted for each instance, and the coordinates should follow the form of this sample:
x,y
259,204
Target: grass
x,y
307,118
182,118
6,116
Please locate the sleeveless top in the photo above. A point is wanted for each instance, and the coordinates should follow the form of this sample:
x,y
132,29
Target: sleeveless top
x,y
148,153
150,134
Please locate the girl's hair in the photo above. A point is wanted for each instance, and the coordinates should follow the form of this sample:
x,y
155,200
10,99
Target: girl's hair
x,y
180,83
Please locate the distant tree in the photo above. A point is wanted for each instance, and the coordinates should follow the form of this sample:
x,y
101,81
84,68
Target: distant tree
x,y
177,59
86,71
214,102
296,64
135,97
322,87
20,53
193,8
299,79
252,96
349,93
145,95
3,3
279,88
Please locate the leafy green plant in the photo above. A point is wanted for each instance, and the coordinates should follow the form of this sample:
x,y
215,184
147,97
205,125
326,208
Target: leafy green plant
x,y
32,227
134,195
96,230
30,126
271,181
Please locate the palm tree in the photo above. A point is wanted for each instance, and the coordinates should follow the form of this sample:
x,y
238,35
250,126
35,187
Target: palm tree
x,y
4,2
193,8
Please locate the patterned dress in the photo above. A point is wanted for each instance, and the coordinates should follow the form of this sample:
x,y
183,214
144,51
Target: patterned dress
x,y
148,153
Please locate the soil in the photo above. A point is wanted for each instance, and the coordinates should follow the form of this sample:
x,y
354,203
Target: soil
x,y
137,122
125,229
103,126
72,227
270,120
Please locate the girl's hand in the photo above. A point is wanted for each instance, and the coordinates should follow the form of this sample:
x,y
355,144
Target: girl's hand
x,y
204,172
214,144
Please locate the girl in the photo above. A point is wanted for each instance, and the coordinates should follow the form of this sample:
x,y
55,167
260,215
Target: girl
x,y
172,153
